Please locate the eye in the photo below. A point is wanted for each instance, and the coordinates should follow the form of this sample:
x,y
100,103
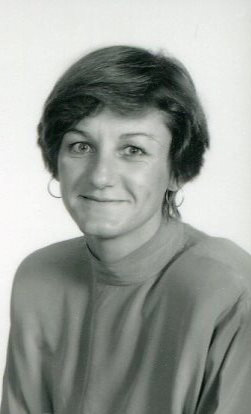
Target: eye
x,y
80,148
131,150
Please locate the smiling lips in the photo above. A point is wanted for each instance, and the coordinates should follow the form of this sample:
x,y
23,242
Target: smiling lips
x,y
100,200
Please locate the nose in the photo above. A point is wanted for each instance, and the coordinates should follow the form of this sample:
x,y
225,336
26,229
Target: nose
x,y
102,172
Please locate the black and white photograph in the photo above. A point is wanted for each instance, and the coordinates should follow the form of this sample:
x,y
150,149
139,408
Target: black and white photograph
x,y
125,174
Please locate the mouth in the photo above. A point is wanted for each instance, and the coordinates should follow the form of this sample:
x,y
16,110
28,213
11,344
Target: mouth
x,y
92,198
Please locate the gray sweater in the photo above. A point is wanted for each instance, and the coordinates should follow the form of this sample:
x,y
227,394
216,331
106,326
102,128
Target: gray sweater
x,y
165,330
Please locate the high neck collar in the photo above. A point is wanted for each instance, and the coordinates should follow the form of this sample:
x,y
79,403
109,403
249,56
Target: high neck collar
x,y
146,261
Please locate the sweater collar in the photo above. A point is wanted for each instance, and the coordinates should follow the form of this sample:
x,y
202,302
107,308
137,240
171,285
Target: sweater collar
x,y
145,262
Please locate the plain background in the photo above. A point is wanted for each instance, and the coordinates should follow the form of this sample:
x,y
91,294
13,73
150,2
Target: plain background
x,y
40,39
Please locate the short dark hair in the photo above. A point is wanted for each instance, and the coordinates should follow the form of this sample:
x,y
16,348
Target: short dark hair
x,y
128,80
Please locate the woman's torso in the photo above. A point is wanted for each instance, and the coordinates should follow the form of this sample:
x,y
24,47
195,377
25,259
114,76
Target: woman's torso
x,y
136,337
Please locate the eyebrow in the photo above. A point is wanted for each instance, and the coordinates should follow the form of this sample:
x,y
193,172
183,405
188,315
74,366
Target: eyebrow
x,y
133,134
123,136
78,131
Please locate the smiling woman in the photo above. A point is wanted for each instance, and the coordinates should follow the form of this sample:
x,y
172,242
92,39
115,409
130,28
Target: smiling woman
x,y
143,314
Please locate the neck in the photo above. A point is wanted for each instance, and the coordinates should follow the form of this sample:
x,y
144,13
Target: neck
x,y
110,250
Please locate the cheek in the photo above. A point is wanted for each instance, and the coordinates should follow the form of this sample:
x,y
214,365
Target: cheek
x,y
151,183
69,174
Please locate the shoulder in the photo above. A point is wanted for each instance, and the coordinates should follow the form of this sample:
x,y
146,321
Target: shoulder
x,y
217,258
45,275
56,258
211,272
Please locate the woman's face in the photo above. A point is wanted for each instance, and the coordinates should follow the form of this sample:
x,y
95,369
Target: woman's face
x,y
114,171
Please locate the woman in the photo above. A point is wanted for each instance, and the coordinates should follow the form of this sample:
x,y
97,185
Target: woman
x,y
144,314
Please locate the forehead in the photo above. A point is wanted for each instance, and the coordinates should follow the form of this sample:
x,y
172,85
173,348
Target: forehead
x,y
151,121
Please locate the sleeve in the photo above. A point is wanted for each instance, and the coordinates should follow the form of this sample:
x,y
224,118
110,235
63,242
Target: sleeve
x,y
227,381
26,380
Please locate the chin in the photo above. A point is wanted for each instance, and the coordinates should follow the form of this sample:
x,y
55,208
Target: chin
x,y
104,229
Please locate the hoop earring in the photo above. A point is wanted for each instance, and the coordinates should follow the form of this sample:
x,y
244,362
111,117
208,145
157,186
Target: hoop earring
x,y
171,206
180,190
49,189
169,199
